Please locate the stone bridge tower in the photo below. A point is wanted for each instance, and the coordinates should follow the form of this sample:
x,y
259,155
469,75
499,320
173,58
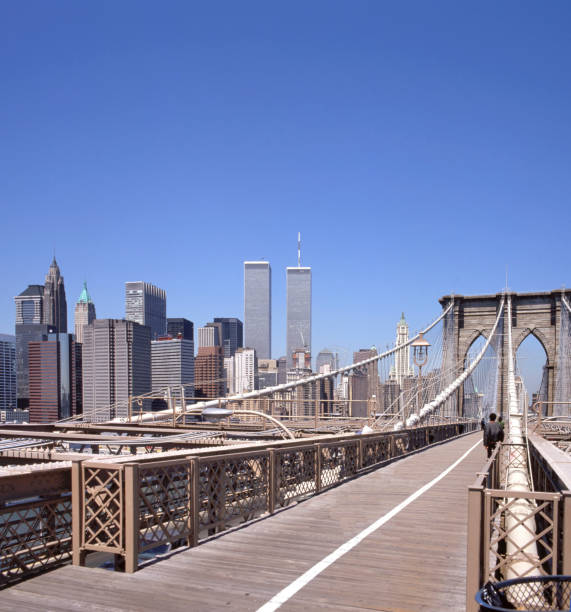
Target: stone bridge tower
x,y
532,313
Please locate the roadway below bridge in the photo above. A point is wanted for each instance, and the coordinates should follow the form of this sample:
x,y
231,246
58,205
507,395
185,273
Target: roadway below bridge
x,y
393,539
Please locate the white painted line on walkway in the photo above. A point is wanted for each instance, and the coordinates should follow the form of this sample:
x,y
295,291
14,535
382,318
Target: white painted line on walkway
x,y
277,600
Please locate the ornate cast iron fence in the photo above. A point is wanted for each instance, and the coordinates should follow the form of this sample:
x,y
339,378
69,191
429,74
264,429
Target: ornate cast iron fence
x,y
294,474
103,507
35,523
233,489
130,508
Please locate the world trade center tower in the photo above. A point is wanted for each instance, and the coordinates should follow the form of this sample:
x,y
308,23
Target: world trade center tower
x,y
258,307
298,336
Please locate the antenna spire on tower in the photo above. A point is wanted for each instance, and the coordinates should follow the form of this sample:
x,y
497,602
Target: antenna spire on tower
x,y
299,249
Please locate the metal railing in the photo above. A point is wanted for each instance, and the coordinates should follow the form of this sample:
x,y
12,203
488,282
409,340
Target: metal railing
x,y
126,508
35,523
491,546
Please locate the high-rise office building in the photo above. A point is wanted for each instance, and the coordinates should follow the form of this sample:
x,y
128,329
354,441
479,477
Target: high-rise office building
x,y
172,361
29,328
208,336
84,313
30,305
146,305
258,307
230,334
302,398
301,360
298,336
180,328
402,357
54,392
326,396
389,396
229,374
267,373
326,357
209,372
7,372
116,365
245,370
55,305
364,384
282,370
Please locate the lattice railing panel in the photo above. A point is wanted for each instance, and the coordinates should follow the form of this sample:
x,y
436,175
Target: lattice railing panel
x,y
401,444
103,507
338,462
513,457
295,474
376,450
35,537
535,516
164,504
233,489
417,439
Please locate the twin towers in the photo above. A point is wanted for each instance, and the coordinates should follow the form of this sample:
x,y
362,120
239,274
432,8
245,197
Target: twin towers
x,y
258,309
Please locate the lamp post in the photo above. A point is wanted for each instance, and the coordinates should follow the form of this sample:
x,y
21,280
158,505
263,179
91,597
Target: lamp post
x,y
420,356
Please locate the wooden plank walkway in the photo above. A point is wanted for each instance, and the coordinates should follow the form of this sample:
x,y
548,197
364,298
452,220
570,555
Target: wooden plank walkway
x,y
416,561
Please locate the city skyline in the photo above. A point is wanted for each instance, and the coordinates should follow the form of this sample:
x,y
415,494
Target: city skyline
x,y
530,358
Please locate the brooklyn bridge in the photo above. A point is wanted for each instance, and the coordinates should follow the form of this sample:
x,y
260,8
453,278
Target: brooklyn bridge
x,y
290,497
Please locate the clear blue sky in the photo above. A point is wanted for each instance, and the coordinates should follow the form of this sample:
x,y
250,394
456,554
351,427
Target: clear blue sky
x,y
419,147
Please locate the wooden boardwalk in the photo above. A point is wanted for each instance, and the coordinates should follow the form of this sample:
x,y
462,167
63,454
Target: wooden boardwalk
x,y
416,561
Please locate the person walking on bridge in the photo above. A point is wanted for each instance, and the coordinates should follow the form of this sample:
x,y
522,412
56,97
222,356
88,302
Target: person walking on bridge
x,y
493,433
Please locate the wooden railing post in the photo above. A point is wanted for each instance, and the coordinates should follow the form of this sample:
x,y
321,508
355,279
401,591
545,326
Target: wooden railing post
x,y
474,569
272,492
317,468
194,501
566,533
131,501
78,554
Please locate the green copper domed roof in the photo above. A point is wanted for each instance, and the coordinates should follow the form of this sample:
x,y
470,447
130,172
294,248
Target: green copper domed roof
x,y
84,298
402,320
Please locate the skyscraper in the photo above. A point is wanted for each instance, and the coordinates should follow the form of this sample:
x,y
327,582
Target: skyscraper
x,y
229,374
326,358
267,373
402,357
7,372
173,365
298,335
116,365
84,313
209,372
180,328
55,305
230,334
364,384
147,305
208,336
258,307
29,328
30,305
54,392
245,370
282,370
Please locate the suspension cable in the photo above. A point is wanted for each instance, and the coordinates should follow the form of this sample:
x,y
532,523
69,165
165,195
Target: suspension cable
x,y
302,381
414,419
